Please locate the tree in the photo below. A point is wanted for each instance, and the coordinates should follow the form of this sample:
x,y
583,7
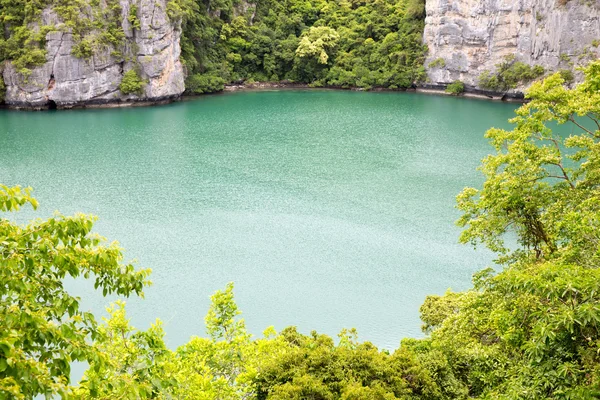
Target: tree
x,y
42,329
130,364
532,330
541,184
317,42
214,367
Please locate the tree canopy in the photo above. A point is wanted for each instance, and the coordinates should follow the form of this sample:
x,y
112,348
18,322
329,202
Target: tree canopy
x,y
319,42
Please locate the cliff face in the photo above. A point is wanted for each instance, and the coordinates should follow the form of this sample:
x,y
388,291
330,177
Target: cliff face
x,y
150,46
472,36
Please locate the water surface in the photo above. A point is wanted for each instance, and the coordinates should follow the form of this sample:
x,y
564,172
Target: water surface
x,y
327,209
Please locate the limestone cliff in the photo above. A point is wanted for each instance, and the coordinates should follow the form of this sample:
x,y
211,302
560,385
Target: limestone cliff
x,y
467,37
149,44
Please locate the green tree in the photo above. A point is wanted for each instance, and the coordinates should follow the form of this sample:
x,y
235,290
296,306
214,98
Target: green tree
x,y
214,367
130,364
456,88
42,329
541,184
532,330
318,43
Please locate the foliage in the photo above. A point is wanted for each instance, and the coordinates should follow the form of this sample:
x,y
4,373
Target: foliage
x,y
204,83
132,83
94,25
2,88
42,329
83,49
509,74
314,367
320,42
532,330
567,75
229,364
20,43
456,88
137,364
437,63
215,367
316,42
540,184
130,364
133,17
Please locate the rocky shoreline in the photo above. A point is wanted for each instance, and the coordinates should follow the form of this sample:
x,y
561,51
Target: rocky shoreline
x,y
438,90
91,104
470,92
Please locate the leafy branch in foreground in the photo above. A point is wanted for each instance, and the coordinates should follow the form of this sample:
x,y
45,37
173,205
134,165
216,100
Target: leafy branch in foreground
x,y
42,329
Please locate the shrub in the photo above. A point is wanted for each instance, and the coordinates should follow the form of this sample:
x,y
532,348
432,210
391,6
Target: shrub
x,y
437,63
567,75
204,83
83,49
415,9
131,83
133,18
456,88
509,75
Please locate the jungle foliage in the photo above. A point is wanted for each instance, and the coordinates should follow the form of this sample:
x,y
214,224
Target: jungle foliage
x,y
530,329
320,42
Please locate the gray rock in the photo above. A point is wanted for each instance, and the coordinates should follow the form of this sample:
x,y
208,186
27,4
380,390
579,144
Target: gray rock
x,y
69,81
475,35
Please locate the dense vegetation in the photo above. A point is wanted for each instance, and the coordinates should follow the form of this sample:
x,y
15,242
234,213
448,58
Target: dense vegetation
x,y
530,329
321,42
509,74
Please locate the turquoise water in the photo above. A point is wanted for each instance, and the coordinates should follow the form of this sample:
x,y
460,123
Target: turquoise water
x,y
328,209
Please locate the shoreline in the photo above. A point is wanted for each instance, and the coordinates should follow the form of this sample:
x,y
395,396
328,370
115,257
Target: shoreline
x,y
89,104
438,90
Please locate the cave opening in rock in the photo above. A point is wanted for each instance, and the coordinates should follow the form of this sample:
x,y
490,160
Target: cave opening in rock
x,y
51,105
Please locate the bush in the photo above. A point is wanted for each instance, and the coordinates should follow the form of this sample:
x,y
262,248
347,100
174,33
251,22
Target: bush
x,y
567,75
437,63
509,75
415,9
456,88
83,49
132,83
133,18
204,83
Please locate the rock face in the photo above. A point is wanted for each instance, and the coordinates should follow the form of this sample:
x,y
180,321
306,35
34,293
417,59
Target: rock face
x,y
471,36
66,81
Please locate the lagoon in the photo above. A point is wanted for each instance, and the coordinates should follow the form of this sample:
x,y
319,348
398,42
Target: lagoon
x,y
327,209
